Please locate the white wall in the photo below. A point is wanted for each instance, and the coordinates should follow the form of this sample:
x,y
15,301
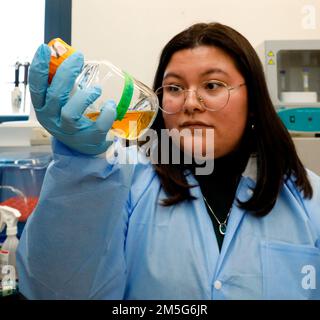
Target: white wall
x,y
131,33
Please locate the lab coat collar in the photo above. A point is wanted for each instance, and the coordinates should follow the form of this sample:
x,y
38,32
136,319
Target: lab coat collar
x,y
243,193
251,168
235,219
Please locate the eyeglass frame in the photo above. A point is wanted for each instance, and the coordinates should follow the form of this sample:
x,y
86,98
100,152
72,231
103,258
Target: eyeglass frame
x,y
200,99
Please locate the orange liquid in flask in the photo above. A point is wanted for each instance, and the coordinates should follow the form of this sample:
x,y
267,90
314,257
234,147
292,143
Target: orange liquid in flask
x,y
131,125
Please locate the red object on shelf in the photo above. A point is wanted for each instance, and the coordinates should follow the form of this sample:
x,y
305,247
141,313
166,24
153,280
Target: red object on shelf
x,y
24,205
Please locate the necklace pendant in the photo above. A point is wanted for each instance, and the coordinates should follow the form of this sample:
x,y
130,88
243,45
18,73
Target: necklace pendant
x,y
223,228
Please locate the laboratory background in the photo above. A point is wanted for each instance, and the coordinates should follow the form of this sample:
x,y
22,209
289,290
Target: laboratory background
x,y
131,34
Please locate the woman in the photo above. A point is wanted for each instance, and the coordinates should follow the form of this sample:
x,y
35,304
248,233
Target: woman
x,y
105,230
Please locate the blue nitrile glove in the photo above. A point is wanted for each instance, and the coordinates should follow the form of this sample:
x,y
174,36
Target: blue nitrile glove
x,y
63,117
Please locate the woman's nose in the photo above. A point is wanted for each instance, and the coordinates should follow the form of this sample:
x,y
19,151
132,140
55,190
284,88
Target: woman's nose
x,y
192,102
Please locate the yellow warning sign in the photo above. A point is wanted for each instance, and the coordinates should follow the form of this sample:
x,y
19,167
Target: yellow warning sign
x,y
271,62
270,54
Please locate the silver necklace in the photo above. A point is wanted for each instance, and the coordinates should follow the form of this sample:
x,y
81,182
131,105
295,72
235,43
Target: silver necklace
x,y
222,225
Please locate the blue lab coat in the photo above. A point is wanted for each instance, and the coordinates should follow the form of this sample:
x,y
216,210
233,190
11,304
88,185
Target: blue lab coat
x,y
99,232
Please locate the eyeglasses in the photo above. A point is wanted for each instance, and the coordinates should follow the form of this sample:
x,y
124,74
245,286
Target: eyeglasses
x,y
213,95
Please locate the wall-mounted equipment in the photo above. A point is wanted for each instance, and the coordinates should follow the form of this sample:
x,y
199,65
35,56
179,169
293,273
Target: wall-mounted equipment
x,y
293,76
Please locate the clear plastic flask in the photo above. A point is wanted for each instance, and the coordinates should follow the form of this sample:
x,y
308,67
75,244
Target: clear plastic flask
x,y
137,104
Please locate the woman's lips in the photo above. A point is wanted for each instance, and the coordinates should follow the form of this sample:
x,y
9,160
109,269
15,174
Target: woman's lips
x,y
195,125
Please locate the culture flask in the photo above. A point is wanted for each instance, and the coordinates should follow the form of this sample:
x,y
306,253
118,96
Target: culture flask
x,y
137,104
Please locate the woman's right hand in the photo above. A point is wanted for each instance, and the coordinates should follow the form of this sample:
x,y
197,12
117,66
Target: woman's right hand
x,y
63,117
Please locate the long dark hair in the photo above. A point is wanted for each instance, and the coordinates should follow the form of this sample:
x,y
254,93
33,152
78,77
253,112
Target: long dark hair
x,y
276,155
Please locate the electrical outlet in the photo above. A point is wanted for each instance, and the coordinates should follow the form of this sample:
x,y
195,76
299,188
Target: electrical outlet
x,y
39,136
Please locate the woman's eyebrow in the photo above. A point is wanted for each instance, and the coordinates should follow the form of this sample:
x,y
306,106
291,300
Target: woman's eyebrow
x,y
214,70
205,73
172,74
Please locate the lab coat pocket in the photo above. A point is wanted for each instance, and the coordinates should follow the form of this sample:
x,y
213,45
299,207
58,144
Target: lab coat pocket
x,y
290,271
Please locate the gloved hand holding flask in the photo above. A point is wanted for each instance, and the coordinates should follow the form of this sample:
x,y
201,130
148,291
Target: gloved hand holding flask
x,y
62,116
79,102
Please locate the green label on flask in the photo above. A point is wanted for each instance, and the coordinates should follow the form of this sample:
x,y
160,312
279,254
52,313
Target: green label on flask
x,y
126,97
